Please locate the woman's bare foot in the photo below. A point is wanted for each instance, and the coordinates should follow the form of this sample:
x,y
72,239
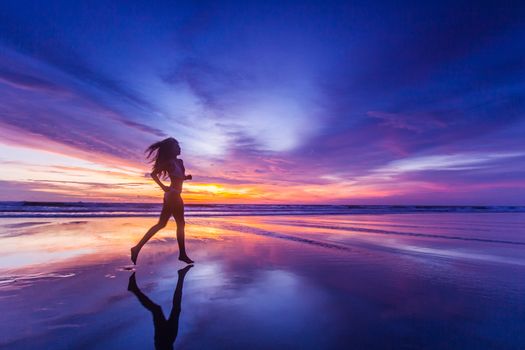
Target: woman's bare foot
x,y
186,259
134,254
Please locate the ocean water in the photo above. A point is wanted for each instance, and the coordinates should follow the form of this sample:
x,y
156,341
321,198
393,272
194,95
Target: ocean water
x,y
388,278
93,209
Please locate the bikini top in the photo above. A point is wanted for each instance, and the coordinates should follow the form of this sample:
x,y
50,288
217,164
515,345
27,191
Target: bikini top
x,y
175,169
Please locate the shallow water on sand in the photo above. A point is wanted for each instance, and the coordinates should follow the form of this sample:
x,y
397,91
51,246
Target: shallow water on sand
x,y
433,281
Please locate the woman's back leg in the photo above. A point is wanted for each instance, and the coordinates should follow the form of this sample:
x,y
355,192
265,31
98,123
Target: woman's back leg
x,y
167,209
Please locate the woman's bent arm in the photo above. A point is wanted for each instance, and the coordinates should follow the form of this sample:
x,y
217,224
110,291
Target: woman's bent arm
x,y
155,177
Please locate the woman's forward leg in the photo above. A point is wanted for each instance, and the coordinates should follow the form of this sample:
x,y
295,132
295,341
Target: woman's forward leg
x,y
178,214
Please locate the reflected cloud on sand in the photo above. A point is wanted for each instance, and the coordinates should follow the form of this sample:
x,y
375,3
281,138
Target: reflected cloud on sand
x,y
166,330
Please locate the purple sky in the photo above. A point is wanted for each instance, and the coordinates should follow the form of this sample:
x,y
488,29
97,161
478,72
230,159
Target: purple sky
x,y
327,102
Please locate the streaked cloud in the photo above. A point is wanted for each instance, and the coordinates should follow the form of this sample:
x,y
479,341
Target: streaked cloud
x,y
450,162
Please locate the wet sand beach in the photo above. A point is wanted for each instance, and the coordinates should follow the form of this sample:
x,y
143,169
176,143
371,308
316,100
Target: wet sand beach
x,y
410,281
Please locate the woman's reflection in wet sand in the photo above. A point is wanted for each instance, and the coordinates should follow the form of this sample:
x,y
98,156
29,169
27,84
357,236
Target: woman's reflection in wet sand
x,y
165,329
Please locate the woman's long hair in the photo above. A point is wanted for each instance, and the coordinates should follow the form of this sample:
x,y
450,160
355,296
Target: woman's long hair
x,y
160,153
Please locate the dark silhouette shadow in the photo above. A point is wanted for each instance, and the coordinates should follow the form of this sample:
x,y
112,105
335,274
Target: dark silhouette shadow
x,y
166,330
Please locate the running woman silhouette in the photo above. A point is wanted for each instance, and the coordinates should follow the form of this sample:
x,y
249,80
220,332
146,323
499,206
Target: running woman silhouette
x,y
163,155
